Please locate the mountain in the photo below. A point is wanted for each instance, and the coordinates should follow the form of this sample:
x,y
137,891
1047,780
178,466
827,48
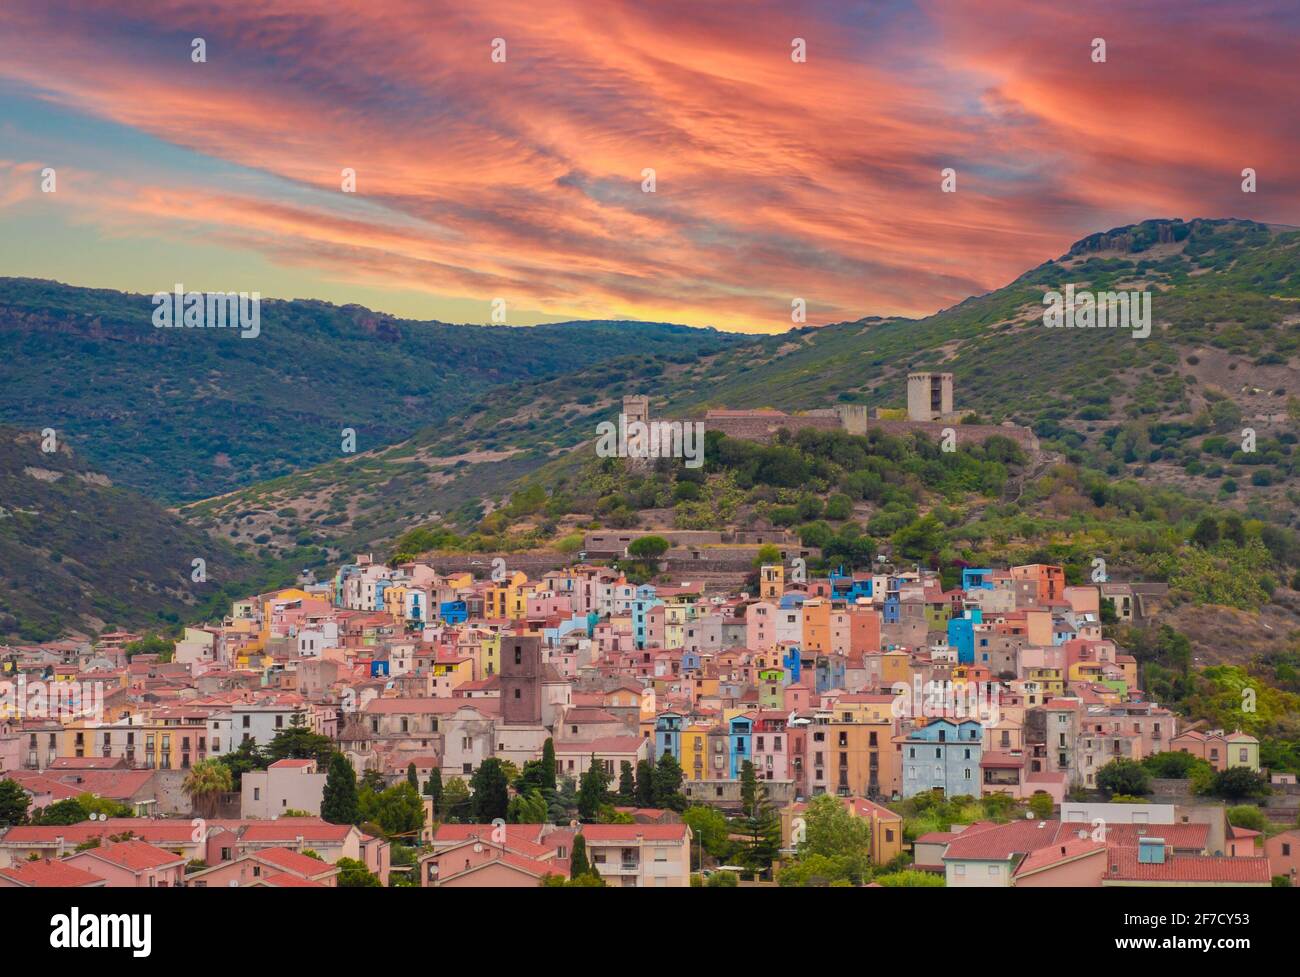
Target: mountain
x,y
1166,411
78,553
182,414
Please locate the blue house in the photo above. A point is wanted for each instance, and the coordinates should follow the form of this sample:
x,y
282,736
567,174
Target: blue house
x,y
976,579
453,611
943,755
793,663
961,635
668,735
642,603
845,587
740,732
891,611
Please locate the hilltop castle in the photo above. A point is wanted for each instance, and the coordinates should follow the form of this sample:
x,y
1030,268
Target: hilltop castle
x,y
929,411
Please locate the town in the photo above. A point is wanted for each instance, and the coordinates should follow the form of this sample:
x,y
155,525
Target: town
x,y
413,724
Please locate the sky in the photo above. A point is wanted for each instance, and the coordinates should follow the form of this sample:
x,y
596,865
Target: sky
x,y
523,179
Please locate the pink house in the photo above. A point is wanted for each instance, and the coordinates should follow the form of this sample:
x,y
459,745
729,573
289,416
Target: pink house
x,y
268,866
131,865
1283,851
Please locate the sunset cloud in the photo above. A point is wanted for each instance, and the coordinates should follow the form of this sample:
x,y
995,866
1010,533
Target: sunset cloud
x,y
775,179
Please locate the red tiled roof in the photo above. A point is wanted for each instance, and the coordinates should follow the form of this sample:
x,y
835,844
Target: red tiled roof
x,y
1186,836
1067,850
293,861
1000,842
46,874
133,855
1122,865
283,880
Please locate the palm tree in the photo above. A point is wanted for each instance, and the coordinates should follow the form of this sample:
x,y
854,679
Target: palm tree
x,y
205,783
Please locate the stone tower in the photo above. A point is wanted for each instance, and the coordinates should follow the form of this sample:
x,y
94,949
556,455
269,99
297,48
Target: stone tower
x,y
929,396
521,680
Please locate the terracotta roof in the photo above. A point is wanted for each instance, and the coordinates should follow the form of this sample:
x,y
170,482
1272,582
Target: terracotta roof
x,y
629,832
133,855
46,874
293,861
1122,865
1000,842
1055,854
283,880
1187,836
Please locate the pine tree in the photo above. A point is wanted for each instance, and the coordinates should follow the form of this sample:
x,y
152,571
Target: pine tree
x,y
592,789
761,825
339,803
578,864
548,765
491,798
667,784
645,784
433,790
626,783
412,777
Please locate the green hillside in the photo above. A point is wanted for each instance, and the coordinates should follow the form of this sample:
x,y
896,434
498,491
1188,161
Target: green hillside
x,y
1166,412
183,414
78,553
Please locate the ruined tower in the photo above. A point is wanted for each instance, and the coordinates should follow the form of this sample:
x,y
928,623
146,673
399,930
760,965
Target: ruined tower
x,y
929,396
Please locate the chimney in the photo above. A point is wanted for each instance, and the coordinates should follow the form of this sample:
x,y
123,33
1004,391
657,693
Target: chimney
x,y
299,843
60,846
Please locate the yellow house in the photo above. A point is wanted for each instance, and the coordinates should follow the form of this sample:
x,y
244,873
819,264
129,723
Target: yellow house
x,y
1049,680
695,753
771,581
395,603
508,598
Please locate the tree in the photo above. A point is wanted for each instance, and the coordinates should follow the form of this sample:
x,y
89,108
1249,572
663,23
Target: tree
x,y
433,791
13,803
548,765
1124,776
456,804
243,758
832,831
626,783
645,784
1172,765
760,824
591,789
1206,533
1248,816
353,874
667,784
723,880
412,777
491,791
400,811
298,742
206,781
530,808
69,811
578,864
709,827
647,549
339,804
910,877
1236,783
1041,806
